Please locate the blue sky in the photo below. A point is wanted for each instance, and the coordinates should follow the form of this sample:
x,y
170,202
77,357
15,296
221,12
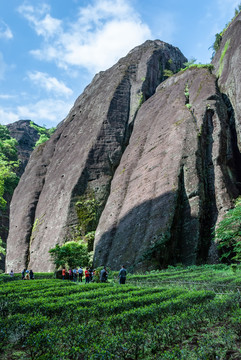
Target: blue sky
x,y
50,50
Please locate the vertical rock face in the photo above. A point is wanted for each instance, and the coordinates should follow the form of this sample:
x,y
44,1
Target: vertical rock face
x,y
175,178
82,155
228,68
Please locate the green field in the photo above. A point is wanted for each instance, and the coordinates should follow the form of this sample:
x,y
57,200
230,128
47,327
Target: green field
x,y
179,313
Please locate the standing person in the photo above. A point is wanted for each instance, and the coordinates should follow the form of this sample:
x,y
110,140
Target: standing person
x,y
87,276
122,275
70,274
23,274
63,273
31,275
75,274
91,274
11,274
103,275
27,275
80,271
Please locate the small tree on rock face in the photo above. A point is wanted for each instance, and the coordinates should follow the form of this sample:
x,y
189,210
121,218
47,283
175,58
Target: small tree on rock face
x,y
228,234
71,254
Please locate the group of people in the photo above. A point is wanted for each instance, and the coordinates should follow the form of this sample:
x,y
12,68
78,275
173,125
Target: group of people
x,y
73,274
27,274
77,274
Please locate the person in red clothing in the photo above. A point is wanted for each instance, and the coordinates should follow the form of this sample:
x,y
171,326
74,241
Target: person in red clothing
x,y
87,276
63,273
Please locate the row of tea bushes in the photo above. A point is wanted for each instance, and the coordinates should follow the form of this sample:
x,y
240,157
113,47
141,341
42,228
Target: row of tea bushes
x,y
220,276
5,278
62,320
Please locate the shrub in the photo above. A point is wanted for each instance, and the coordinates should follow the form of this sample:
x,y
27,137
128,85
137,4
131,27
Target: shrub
x,y
71,254
228,234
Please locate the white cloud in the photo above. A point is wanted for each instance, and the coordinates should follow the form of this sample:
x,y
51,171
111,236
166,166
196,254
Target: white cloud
x,y
5,32
45,111
51,84
105,46
40,20
101,33
6,96
105,10
7,116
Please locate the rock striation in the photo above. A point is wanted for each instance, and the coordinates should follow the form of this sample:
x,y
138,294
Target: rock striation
x,y
82,155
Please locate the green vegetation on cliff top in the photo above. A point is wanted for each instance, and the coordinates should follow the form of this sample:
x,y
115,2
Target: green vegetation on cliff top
x,y
43,132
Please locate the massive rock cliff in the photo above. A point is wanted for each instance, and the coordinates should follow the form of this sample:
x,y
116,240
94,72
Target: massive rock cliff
x,y
181,170
176,177
82,156
161,158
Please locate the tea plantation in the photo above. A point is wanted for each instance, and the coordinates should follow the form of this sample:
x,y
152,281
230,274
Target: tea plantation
x,y
179,313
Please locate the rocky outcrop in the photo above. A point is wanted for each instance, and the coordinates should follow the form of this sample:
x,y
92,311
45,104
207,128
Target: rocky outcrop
x,y
27,137
176,177
82,156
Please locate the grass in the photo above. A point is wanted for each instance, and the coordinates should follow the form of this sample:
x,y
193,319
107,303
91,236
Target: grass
x,y
221,64
198,66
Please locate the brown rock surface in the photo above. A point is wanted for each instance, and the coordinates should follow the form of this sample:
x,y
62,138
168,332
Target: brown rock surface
x,y
82,155
175,178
